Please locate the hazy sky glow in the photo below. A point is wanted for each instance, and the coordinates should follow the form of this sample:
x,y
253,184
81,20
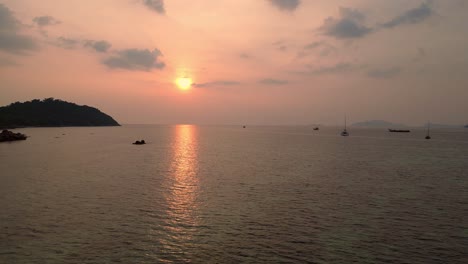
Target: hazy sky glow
x,y
251,62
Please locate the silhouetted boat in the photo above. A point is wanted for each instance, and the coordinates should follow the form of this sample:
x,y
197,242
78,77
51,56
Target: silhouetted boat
x,y
399,130
344,133
243,126
427,134
316,128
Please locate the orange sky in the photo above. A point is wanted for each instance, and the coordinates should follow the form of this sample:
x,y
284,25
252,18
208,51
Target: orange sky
x,y
251,62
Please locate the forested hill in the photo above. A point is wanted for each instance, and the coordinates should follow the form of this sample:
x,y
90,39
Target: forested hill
x,y
52,112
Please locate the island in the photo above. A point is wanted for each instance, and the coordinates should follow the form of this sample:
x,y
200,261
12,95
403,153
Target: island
x,y
7,135
52,112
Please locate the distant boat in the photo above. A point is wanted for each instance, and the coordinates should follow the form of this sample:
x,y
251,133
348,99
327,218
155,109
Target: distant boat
x,y
243,126
427,134
399,130
316,128
344,133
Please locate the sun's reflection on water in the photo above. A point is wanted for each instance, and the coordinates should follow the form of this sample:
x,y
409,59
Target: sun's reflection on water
x,y
183,186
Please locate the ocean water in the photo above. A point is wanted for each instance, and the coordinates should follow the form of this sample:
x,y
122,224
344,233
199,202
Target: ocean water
x,y
224,194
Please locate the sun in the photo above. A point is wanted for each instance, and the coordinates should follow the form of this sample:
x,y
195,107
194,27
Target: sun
x,y
184,83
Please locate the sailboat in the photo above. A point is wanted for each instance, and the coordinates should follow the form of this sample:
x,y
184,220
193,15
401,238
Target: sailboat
x,y
427,134
344,133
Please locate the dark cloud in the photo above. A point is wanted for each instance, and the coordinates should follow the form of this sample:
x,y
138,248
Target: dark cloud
x,y
216,83
15,43
7,21
99,46
411,16
67,43
286,5
384,73
10,38
45,21
136,60
155,5
270,81
349,24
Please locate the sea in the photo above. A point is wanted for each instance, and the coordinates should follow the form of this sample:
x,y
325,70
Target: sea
x,y
228,194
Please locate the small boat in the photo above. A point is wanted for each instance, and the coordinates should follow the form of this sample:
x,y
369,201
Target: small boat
x,y
344,133
427,134
399,130
243,126
316,128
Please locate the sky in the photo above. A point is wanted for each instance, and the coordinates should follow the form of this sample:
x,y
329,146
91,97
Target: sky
x,y
266,62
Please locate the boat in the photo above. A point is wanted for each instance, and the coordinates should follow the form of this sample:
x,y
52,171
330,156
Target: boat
x,y
316,128
344,133
427,134
399,130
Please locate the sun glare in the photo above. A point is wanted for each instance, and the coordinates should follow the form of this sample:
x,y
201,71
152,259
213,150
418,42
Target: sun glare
x,y
184,83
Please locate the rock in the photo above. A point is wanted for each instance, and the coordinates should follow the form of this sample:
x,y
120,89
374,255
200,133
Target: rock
x,y
7,135
139,142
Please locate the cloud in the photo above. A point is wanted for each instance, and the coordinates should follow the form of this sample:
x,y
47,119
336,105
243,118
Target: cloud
x,y
99,46
216,83
270,81
279,45
135,60
334,69
313,45
45,21
286,5
7,21
384,73
155,5
349,24
67,43
411,16
11,40
322,47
